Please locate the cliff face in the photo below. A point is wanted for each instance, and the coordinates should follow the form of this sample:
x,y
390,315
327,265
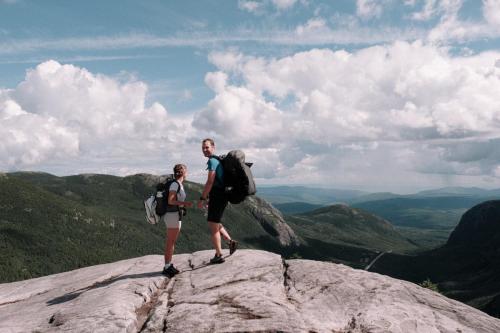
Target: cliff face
x,y
479,226
272,221
253,291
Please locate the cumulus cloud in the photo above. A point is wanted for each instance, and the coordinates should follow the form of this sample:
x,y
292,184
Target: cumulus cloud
x,y
491,12
238,113
408,113
312,26
368,8
283,4
250,6
316,103
451,28
63,112
259,7
428,11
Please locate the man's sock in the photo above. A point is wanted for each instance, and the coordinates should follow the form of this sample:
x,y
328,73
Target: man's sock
x,y
167,265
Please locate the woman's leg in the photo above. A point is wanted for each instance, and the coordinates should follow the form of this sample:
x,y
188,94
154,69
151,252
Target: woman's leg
x,y
171,238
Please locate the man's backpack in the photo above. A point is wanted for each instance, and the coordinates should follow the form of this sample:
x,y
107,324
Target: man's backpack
x,y
238,178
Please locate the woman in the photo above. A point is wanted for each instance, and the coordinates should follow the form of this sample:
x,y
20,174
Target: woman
x,y
173,217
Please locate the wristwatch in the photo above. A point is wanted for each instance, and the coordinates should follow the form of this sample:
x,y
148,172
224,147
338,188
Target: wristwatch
x,y
203,199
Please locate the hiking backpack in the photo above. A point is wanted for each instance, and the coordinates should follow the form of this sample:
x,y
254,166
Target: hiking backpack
x,y
156,205
150,206
162,205
238,178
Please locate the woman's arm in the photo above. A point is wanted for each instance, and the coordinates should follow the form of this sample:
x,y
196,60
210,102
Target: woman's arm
x,y
172,200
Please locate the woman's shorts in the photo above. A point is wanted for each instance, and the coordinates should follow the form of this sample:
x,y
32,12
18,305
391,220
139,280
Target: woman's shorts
x,y
171,220
216,204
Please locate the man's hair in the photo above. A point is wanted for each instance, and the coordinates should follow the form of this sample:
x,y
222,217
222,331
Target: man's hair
x,y
212,143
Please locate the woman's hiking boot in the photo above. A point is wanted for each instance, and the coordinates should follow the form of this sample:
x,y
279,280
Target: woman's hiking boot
x,y
233,245
170,271
217,259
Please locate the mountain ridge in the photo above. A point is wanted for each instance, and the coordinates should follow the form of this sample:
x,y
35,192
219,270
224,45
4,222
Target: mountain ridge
x,y
466,268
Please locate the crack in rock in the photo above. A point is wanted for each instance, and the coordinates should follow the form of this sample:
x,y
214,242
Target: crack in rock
x,y
241,310
145,312
288,283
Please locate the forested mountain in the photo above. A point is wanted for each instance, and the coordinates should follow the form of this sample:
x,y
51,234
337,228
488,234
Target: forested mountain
x,y
50,224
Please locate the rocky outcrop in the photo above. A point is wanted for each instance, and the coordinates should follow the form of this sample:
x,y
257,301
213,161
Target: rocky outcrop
x,y
253,291
272,221
479,226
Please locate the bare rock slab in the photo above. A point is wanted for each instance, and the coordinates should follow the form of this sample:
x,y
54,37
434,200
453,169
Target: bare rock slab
x,y
253,291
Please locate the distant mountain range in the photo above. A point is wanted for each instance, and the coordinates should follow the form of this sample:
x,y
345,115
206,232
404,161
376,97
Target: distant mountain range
x,y
426,217
310,195
279,195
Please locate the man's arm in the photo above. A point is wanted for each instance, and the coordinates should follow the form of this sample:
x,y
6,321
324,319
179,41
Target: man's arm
x,y
207,188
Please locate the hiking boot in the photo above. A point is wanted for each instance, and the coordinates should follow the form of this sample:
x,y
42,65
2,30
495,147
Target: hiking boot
x,y
233,245
217,259
170,271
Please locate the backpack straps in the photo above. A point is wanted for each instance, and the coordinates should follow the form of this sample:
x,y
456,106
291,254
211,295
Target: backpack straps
x,y
167,191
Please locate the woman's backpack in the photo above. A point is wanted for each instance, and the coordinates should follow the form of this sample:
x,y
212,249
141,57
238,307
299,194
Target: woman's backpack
x,y
161,197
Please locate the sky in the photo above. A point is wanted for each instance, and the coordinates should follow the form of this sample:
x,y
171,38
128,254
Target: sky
x,y
387,95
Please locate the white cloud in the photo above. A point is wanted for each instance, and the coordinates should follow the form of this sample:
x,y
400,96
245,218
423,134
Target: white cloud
x,y
312,26
427,12
321,102
239,114
250,6
406,112
262,6
452,29
216,81
491,12
63,112
368,8
284,4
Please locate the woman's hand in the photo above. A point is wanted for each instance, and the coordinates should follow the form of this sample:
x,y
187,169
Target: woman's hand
x,y
201,204
188,204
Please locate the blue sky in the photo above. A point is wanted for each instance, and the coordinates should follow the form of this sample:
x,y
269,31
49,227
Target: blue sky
x,y
375,95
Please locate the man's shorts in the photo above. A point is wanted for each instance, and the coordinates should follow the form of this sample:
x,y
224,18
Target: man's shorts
x,y
171,220
217,202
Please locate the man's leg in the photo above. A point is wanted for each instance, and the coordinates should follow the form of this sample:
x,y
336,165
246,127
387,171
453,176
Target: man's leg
x,y
224,232
215,235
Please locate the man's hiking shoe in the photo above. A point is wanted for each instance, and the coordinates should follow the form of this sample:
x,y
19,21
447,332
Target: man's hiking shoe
x,y
170,271
233,245
217,259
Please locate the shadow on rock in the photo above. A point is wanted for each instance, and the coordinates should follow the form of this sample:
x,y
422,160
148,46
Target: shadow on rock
x,y
74,294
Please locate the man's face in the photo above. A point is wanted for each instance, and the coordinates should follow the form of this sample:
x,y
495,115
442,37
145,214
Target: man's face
x,y
207,149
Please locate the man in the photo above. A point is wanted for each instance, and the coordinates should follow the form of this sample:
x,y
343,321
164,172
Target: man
x,y
213,194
